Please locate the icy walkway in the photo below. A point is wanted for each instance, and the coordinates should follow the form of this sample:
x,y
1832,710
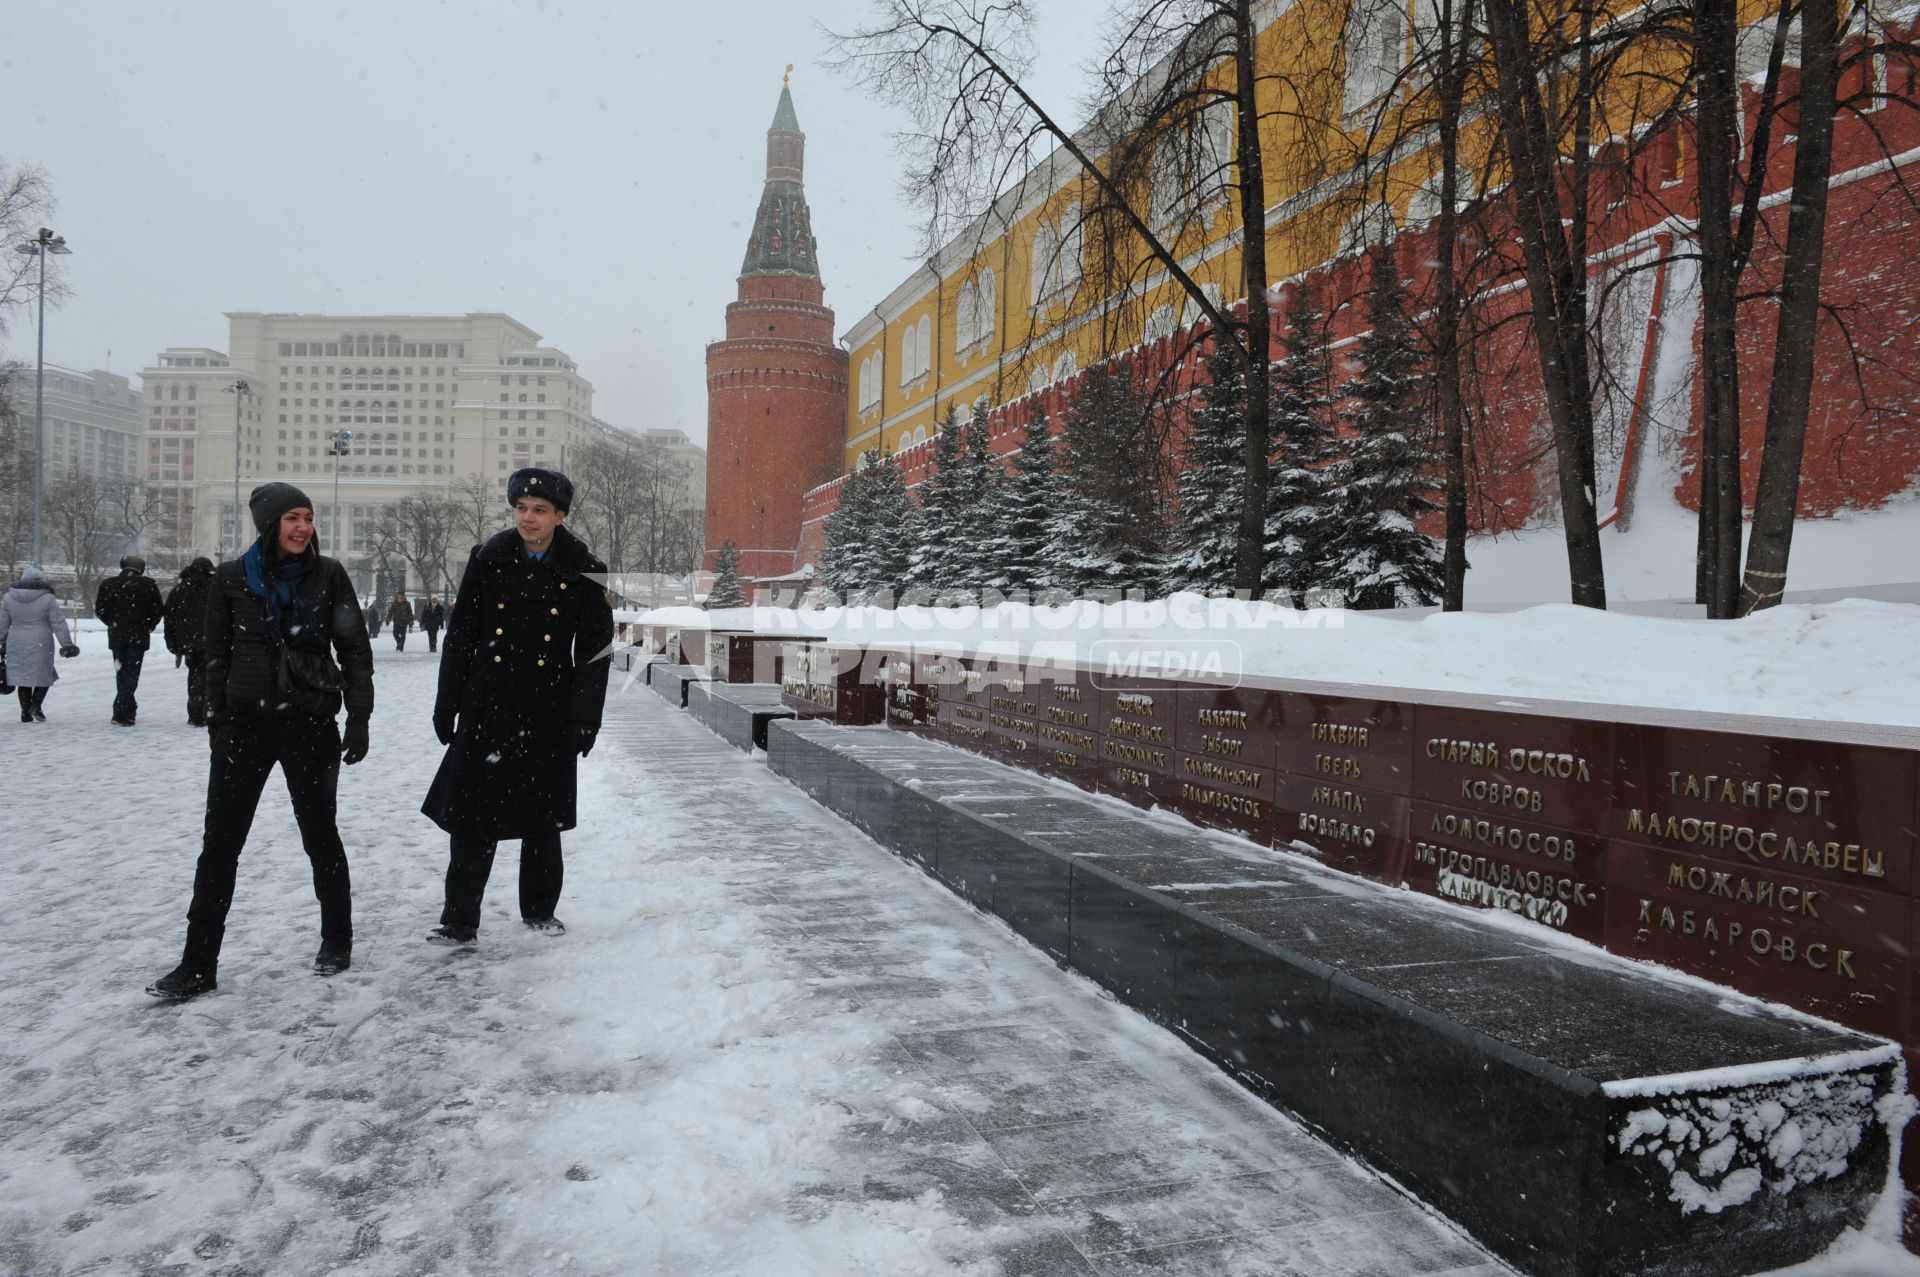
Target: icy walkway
x,y
766,1046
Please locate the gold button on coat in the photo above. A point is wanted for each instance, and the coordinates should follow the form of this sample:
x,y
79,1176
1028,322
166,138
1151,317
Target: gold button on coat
x,y
496,660
547,637
500,605
539,662
554,610
498,630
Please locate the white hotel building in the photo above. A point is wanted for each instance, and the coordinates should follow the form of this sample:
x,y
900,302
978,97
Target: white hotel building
x,y
433,402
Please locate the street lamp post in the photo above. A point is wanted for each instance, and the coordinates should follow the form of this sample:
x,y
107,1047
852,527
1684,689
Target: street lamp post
x,y
239,390
337,443
43,242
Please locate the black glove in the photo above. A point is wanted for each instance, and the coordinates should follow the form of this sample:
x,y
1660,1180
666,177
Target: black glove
x,y
582,738
177,659
70,651
443,725
353,741
214,727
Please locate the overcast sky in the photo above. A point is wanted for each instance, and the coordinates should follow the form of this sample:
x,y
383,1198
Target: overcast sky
x,y
590,169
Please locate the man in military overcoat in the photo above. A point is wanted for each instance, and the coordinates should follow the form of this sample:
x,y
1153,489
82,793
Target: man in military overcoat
x,y
522,680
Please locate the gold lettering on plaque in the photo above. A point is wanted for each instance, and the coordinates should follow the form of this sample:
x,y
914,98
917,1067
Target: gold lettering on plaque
x,y
1492,833
1134,753
1135,703
1760,845
1228,745
1737,792
1139,731
1235,718
1214,798
1760,941
1761,892
1340,799
1211,770
1341,734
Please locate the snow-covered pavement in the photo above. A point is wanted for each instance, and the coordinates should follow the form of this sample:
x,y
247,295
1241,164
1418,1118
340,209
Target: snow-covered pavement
x,y
765,1046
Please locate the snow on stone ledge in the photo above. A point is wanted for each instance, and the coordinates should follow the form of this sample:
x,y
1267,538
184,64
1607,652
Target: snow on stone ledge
x,y
1721,1146
1848,661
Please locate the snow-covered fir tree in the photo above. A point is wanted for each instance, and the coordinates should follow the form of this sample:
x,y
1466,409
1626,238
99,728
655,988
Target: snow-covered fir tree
x,y
975,497
726,591
1110,533
931,569
1209,487
892,531
1021,552
1303,512
1388,462
843,564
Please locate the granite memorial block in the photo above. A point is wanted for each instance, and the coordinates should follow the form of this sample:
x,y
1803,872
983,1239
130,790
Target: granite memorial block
x,y
824,680
1556,877
1355,740
1355,830
1838,812
1551,770
739,657
1829,948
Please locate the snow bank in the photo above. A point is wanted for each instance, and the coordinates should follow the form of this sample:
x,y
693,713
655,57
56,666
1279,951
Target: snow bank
x,y
1848,661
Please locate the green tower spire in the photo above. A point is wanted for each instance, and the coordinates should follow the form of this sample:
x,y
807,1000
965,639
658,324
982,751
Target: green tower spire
x,y
782,242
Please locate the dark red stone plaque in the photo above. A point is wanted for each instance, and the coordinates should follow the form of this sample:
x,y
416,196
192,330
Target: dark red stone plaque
x,y
1553,771
1826,947
1233,723
1360,831
825,680
1761,804
1137,725
1354,741
1136,785
1555,877
735,657
1224,793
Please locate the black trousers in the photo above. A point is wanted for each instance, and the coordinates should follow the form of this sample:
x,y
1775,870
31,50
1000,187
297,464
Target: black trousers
x,y
127,661
433,639
246,749
196,687
31,699
470,862
399,638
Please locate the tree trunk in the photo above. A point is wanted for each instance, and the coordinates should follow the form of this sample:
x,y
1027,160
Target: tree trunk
x,y
1778,496
1555,277
1717,563
1451,89
1250,542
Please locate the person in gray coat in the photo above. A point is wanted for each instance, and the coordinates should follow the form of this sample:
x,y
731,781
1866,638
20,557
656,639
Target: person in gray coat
x,y
30,620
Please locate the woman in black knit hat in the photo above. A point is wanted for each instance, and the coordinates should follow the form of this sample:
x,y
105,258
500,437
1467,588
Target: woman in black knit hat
x,y
278,616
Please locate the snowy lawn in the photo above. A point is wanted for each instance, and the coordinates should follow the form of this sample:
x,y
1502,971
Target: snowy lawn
x,y
765,1046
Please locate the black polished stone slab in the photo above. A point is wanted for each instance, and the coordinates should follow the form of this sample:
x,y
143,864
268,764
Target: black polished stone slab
x,y
671,680
1527,1089
737,712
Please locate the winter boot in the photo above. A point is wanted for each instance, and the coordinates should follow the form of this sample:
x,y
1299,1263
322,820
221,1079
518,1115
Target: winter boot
x,y
452,933
182,983
333,958
546,926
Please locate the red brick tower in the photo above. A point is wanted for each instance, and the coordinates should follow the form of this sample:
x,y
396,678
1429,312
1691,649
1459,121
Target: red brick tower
x,y
777,386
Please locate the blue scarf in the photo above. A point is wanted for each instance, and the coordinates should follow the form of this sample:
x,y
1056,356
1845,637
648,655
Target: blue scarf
x,y
288,612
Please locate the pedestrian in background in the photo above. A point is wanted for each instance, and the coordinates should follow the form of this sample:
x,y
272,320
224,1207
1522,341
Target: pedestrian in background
x,y
373,619
522,684
432,617
30,620
278,617
400,620
130,605
185,632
